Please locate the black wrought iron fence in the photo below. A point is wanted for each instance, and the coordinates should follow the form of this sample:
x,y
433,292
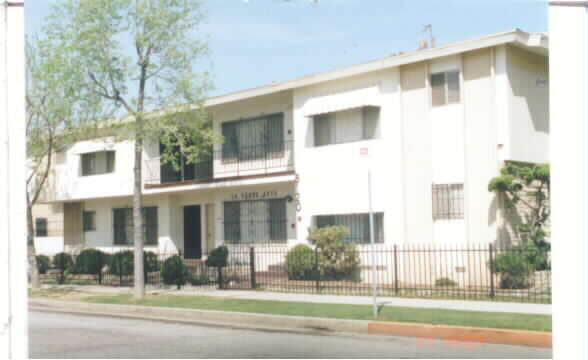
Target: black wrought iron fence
x,y
469,272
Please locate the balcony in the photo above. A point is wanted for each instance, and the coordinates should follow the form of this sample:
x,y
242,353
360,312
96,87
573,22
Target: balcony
x,y
228,163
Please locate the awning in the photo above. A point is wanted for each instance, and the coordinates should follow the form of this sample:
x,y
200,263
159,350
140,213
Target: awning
x,y
92,146
340,101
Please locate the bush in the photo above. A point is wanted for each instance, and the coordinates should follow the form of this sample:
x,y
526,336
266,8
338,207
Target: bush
x,y
218,257
43,263
200,279
445,282
337,260
515,268
174,271
90,261
300,263
62,262
151,262
122,263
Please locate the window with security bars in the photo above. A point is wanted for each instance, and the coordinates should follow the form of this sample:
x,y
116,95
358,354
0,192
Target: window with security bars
x,y
358,226
253,139
445,88
347,126
41,227
123,226
255,221
89,220
448,201
96,163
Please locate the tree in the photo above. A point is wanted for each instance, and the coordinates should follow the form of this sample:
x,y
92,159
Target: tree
x,y
530,186
55,118
94,37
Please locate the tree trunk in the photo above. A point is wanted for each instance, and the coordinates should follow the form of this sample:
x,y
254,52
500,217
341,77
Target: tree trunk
x,y
137,213
32,256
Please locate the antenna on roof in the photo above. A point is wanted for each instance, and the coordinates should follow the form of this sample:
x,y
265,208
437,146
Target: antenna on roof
x,y
428,28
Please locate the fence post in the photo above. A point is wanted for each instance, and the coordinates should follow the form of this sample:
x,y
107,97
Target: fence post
x,y
395,269
491,249
317,270
120,268
252,267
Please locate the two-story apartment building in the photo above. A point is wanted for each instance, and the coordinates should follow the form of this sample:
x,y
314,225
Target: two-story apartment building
x,y
436,124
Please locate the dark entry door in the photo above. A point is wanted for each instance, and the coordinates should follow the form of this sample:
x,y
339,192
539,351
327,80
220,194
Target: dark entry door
x,y
192,232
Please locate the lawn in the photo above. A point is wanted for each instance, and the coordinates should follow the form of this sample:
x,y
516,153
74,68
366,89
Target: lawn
x,y
336,311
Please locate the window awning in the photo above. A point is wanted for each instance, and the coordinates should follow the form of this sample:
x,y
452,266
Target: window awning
x,y
340,101
91,147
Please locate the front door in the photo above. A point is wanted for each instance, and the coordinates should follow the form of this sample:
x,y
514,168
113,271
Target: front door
x,y
192,232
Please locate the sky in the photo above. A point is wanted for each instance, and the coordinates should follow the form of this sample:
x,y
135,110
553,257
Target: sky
x,y
257,42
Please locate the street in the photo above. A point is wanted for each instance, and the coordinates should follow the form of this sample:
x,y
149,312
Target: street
x,y
54,335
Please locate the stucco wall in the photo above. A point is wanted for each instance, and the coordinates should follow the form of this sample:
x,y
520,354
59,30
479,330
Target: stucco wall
x,y
333,178
481,143
417,154
528,106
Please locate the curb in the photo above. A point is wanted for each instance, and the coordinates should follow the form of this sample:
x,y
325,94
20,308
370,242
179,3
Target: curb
x,y
300,324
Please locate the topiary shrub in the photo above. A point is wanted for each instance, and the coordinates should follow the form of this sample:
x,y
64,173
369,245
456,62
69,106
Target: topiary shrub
x,y
90,261
218,258
62,262
300,263
337,260
151,263
43,263
446,282
174,271
122,263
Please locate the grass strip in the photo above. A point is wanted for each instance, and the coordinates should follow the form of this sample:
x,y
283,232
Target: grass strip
x,y
337,311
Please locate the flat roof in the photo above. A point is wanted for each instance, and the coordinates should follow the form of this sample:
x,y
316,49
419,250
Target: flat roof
x,y
535,42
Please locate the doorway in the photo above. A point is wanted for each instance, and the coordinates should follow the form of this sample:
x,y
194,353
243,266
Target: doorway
x,y
192,232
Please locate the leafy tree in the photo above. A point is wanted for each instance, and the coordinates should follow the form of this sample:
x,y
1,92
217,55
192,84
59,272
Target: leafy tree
x,y
94,37
530,186
55,117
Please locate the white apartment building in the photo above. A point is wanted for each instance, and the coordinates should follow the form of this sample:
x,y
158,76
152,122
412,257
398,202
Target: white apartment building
x,y
436,124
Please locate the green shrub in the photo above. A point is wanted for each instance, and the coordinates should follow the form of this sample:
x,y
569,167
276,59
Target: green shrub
x,y
90,261
174,271
515,268
337,260
151,262
300,263
43,263
200,279
218,257
122,263
445,282
62,262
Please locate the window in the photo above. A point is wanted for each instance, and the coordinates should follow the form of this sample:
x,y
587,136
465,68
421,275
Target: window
x,y
89,220
41,227
347,126
445,88
258,221
253,139
358,225
123,226
96,163
448,201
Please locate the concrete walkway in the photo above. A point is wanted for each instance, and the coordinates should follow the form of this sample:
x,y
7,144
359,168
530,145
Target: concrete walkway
x,y
489,306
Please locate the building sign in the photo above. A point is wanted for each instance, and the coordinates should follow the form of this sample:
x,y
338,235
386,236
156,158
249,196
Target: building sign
x,y
254,195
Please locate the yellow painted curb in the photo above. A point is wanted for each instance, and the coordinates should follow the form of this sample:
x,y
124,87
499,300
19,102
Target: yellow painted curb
x,y
446,333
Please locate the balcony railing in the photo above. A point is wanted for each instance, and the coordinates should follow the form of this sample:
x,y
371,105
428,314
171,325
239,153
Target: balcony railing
x,y
226,163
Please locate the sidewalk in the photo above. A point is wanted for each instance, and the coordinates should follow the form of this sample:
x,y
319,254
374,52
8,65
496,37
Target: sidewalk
x,y
486,306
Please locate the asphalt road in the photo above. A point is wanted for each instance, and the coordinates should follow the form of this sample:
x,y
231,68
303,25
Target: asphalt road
x,y
54,335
